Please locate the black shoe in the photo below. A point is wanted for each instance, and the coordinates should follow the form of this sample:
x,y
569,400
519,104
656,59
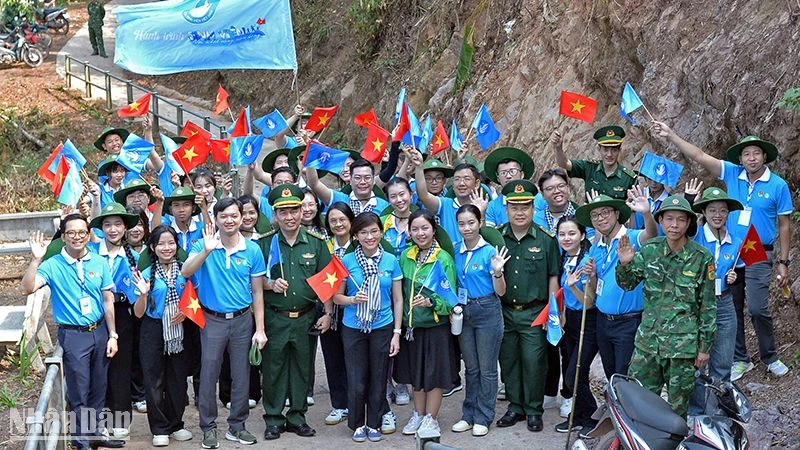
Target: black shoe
x,y
453,390
272,432
94,53
301,430
586,429
563,427
535,423
510,418
103,55
107,443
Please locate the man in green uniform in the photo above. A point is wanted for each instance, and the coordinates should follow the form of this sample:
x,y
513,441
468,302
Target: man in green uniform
x,y
290,313
678,323
96,15
531,276
606,176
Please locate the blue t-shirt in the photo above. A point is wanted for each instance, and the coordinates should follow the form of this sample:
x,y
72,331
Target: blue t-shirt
x,y
68,288
337,196
121,274
570,301
474,269
223,281
159,293
265,208
447,218
611,298
767,198
388,272
186,240
724,254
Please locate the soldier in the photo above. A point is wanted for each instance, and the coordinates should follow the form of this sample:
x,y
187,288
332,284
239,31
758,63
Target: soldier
x,y
289,313
96,14
532,277
607,176
502,166
678,323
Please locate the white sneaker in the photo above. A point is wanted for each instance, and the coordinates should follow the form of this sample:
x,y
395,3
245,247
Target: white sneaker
x,y
140,407
501,392
413,423
388,423
286,403
461,426
182,435
310,401
566,407
740,368
228,405
160,440
120,432
336,416
251,403
480,430
550,402
778,368
429,427
401,396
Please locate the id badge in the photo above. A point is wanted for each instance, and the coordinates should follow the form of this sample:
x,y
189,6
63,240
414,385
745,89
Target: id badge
x,y
86,306
718,286
599,290
744,216
462,296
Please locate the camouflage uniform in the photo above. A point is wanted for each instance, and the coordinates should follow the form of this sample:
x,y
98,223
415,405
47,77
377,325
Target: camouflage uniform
x,y
679,315
96,14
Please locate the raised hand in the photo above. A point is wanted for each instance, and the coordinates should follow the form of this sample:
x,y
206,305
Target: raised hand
x,y
693,186
590,268
416,158
591,195
147,124
574,278
478,198
637,199
38,246
227,184
142,285
625,251
299,110
500,259
157,193
200,201
210,238
730,277
661,129
555,139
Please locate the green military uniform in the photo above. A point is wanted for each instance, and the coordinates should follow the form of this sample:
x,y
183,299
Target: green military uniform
x,y
523,351
288,317
679,318
96,14
616,184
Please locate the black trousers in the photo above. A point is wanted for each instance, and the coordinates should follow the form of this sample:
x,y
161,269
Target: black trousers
x,y
137,382
191,347
584,402
335,369
557,362
615,343
118,392
164,379
367,358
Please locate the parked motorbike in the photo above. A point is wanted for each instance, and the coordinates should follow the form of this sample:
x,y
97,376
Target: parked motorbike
x,y
53,18
16,48
636,419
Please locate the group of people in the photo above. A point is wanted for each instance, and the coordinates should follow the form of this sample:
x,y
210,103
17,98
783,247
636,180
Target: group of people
x,y
663,294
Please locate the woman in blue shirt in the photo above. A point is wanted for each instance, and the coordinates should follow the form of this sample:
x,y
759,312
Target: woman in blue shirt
x,y
161,337
373,306
479,268
395,218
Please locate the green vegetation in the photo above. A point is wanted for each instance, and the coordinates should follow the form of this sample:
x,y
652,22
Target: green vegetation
x,y
365,16
791,100
311,18
464,69
9,399
23,361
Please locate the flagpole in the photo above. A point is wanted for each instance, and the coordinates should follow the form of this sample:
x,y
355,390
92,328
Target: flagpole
x,y
350,276
577,370
648,112
231,114
284,278
447,157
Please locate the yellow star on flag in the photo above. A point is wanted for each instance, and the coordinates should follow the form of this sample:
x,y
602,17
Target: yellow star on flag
x,y
577,106
377,145
323,119
189,154
331,278
227,150
134,106
748,245
217,97
439,142
194,305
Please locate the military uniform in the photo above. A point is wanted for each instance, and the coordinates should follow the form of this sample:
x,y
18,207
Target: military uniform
x,y
679,312
96,14
523,351
615,185
285,362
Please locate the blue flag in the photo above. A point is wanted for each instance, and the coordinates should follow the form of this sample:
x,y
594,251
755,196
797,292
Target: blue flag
x,y
245,149
486,133
134,153
72,188
271,124
554,331
69,151
438,283
183,35
660,169
123,281
321,157
275,257
170,165
630,102
427,135
414,135
398,109
456,141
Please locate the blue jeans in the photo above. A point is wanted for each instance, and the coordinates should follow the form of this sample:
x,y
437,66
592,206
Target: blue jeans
x,y
480,348
721,356
757,278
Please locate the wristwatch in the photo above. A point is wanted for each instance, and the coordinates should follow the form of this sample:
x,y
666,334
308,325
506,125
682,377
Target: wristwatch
x,y
113,335
785,262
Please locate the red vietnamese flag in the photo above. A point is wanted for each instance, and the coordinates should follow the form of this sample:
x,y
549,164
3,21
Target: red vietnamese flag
x,y
377,142
190,129
137,108
221,150
327,281
221,103
542,317
320,118
752,250
241,127
578,106
190,305
440,140
365,119
44,170
403,124
60,175
192,153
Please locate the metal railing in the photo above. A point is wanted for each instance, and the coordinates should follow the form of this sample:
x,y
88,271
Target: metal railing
x,y
160,107
46,429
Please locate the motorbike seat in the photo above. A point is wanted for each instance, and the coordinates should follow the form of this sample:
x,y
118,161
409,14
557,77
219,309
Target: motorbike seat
x,y
650,409
48,11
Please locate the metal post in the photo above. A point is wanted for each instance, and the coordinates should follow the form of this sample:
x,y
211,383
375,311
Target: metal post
x,y
207,123
236,185
129,87
87,78
109,106
179,119
155,114
68,70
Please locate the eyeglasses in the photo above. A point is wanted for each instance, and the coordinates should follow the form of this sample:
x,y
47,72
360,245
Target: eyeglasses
x,y
716,212
601,214
559,187
463,179
434,180
138,194
508,172
360,178
80,234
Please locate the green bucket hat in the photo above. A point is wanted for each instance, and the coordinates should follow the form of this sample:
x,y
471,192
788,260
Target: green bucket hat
x,y
715,194
520,191
178,139
103,166
506,153
678,203
584,213
268,163
137,184
492,237
121,132
435,164
444,240
735,151
285,196
255,355
111,210
609,136
181,193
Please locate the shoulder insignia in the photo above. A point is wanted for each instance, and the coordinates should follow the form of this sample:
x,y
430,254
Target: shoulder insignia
x,y
315,234
712,272
546,231
593,161
269,233
628,171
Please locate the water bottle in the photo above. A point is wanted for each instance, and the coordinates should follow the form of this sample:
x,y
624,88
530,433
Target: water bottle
x,y
456,320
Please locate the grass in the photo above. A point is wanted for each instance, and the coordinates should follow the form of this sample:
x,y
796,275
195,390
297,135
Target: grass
x,y
9,398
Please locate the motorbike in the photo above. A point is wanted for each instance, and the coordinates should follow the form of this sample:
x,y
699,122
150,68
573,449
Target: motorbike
x,y
16,48
634,418
53,18
38,36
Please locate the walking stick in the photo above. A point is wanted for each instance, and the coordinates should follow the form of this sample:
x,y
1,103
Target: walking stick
x,y
577,371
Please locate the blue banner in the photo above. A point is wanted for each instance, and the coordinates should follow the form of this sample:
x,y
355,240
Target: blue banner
x,y
184,35
660,169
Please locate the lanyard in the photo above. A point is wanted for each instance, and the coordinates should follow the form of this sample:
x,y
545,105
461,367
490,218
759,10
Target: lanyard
x,y
81,275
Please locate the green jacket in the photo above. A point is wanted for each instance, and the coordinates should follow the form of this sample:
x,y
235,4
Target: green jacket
x,y
594,176
679,318
96,12
413,279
